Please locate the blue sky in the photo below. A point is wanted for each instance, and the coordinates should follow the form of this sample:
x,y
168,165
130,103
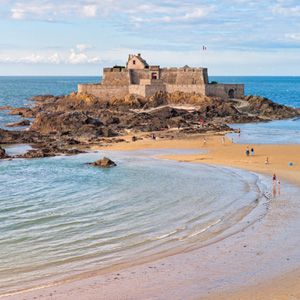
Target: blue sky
x,y
79,37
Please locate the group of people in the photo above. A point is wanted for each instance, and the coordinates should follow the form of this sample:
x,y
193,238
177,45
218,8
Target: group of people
x,y
248,152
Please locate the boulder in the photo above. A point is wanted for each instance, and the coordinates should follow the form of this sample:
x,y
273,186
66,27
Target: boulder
x,y
2,153
103,163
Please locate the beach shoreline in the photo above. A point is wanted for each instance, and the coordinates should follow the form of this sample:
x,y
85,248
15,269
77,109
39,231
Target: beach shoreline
x,y
131,283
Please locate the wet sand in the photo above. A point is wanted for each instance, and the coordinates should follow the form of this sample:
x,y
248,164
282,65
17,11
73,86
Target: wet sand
x,y
261,262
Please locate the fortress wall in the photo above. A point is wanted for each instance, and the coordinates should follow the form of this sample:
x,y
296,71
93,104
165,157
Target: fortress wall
x,y
136,89
190,76
168,76
115,77
186,88
136,75
152,89
146,90
104,92
183,76
223,90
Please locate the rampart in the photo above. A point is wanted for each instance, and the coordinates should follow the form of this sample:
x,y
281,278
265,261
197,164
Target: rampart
x,y
138,78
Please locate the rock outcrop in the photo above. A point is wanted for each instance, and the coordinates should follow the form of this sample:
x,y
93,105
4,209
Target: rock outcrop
x,y
21,123
65,124
104,163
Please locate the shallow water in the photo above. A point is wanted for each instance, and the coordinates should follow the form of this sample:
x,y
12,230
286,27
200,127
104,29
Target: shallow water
x,y
275,132
60,217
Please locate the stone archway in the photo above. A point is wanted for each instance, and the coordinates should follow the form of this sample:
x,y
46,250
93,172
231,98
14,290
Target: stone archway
x,y
153,76
231,93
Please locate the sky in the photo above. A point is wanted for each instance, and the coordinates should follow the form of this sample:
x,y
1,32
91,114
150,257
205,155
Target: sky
x,y
80,37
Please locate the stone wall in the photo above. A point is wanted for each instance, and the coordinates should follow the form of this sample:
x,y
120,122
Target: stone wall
x,y
136,75
104,92
183,76
146,90
136,89
115,76
225,91
185,88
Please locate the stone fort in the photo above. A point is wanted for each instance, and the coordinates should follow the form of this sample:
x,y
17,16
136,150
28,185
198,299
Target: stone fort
x,y
139,78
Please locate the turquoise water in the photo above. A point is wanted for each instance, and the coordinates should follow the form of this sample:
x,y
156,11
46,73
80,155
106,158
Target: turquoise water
x,y
275,132
60,217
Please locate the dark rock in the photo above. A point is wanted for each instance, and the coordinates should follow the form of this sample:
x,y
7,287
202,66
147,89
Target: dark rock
x,y
19,124
25,112
103,163
108,132
39,153
2,153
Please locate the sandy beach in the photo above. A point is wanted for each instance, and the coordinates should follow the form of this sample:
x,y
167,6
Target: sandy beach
x,y
260,262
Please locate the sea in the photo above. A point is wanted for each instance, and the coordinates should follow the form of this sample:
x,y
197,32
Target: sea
x,y
61,218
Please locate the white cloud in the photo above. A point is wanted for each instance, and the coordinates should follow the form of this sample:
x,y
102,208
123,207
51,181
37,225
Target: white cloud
x,y
293,36
90,11
75,56
187,14
83,47
55,58
164,11
17,13
291,10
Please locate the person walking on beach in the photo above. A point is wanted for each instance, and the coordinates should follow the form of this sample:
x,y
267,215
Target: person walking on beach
x,y
274,179
204,141
274,185
223,140
267,160
252,151
247,152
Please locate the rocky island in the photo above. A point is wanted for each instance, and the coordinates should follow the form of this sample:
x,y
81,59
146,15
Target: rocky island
x,y
136,100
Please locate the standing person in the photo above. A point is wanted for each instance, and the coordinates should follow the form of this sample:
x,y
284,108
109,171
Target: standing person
x,y
204,141
274,179
223,140
252,151
274,185
267,160
247,152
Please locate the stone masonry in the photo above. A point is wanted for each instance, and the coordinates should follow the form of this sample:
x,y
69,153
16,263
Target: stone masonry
x,y
139,78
